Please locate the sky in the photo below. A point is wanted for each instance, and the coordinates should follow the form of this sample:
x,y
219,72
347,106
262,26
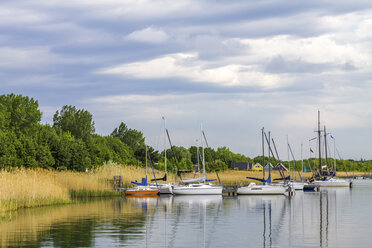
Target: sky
x,y
232,66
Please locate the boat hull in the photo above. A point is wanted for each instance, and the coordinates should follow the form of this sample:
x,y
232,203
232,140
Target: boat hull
x,y
197,190
295,185
165,189
142,191
332,183
261,190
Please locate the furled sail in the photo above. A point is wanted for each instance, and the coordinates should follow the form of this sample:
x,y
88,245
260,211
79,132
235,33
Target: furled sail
x,y
193,180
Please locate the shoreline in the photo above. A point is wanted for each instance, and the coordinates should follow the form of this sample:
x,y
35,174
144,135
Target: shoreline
x,y
32,188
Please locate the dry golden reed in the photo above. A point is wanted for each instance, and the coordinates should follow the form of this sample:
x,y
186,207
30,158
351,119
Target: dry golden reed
x,y
23,188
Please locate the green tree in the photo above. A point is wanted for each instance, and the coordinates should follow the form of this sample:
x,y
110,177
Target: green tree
x,y
133,138
19,114
78,122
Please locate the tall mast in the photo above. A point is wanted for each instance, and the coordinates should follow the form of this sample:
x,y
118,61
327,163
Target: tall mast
x,y
146,158
334,152
201,131
263,154
325,145
302,164
269,158
197,155
320,150
165,146
289,163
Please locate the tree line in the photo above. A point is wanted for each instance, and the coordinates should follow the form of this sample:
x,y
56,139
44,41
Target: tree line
x,y
71,143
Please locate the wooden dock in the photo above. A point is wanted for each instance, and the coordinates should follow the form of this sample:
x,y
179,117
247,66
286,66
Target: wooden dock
x,y
230,190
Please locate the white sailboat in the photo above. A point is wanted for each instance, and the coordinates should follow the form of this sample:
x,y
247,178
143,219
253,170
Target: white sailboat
x,y
263,189
194,188
332,182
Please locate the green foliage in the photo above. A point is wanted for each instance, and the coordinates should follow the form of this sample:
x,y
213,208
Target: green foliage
x,y
19,114
78,122
72,145
133,138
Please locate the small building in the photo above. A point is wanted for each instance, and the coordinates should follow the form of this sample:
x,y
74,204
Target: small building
x,y
241,166
280,166
269,165
257,167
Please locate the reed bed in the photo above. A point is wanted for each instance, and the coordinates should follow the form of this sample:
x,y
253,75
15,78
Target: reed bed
x,y
24,188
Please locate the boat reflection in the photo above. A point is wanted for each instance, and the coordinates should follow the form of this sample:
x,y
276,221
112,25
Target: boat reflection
x,y
271,223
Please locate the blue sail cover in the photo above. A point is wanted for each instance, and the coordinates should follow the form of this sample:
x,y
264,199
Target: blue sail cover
x,y
210,180
143,183
268,180
283,178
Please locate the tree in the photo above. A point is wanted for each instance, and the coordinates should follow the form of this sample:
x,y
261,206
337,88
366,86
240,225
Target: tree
x,y
77,121
133,138
19,114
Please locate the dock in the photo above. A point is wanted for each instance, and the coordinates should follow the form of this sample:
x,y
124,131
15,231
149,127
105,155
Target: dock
x,y
230,190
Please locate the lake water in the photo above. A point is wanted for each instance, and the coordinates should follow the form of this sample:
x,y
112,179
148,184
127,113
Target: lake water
x,y
339,217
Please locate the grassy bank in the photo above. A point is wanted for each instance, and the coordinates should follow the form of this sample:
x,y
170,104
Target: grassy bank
x,y
24,188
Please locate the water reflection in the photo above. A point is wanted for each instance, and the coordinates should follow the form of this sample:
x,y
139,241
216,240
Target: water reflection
x,y
324,221
330,218
69,226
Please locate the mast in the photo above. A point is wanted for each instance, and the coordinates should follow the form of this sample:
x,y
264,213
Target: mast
x,y
165,146
146,158
269,160
197,154
320,152
289,163
325,145
302,163
201,129
334,152
263,154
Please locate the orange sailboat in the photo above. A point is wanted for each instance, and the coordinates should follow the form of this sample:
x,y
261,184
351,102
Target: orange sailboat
x,y
142,189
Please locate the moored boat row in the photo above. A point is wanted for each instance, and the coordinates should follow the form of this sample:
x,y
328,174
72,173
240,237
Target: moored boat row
x,y
200,186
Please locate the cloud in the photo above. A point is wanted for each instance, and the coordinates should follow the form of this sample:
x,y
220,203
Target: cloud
x,y
188,66
241,64
148,35
25,57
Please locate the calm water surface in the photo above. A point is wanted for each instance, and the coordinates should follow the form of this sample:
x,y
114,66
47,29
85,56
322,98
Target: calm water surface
x,y
331,218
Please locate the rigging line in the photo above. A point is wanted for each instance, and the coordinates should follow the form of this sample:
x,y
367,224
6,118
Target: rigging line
x,y
277,155
270,150
158,137
210,154
294,161
152,167
172,150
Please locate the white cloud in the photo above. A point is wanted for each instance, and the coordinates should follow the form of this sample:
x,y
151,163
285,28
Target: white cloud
x,y
321,49
148,35
21,16
188,66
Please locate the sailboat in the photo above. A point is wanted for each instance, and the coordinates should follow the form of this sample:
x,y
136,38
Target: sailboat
x,y
141,188
265,188
164,188
326,178
192,187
